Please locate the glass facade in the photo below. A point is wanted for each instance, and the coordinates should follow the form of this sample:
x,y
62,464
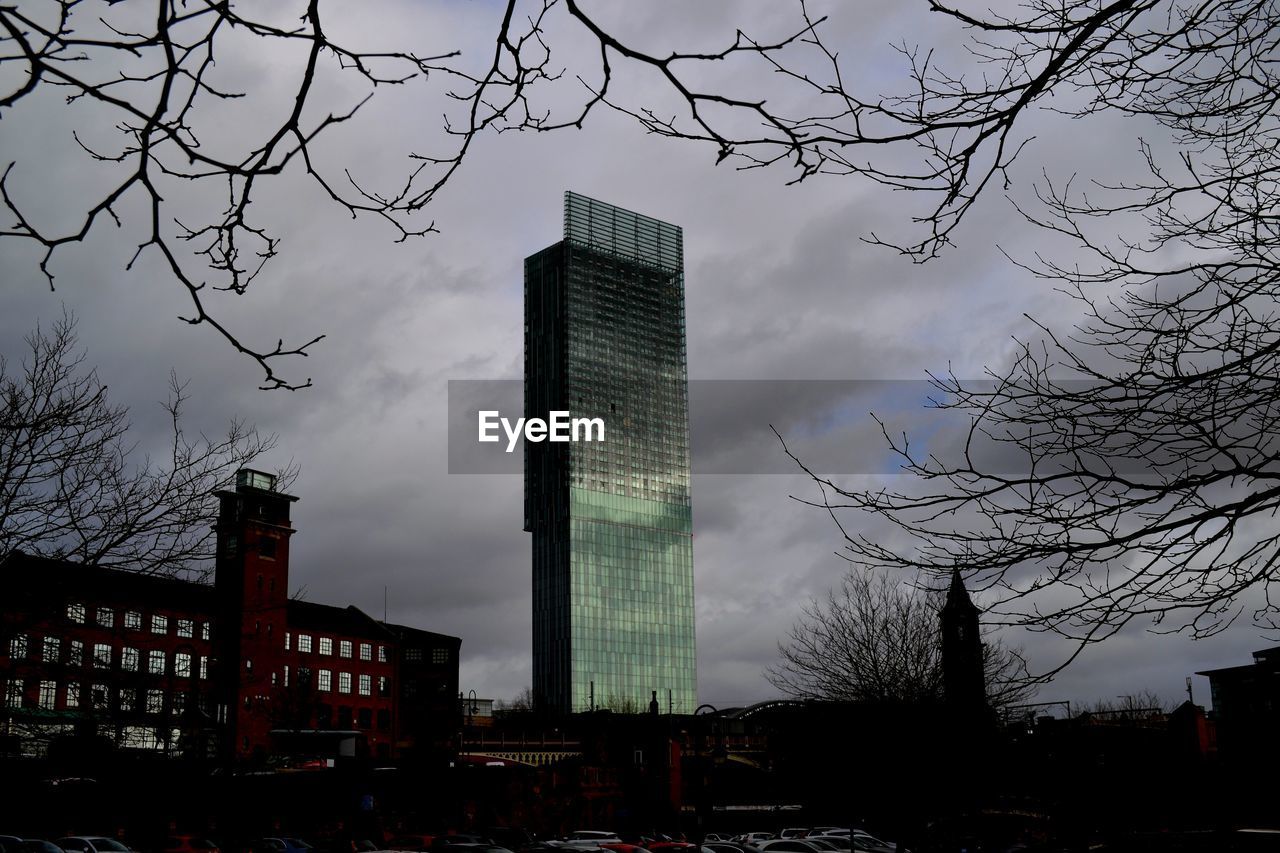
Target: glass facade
x,y
611,520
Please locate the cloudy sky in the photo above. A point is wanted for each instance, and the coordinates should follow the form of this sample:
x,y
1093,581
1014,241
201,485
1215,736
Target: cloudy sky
x,y
779,287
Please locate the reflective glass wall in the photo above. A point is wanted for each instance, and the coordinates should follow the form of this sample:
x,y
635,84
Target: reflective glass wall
x,y
611,523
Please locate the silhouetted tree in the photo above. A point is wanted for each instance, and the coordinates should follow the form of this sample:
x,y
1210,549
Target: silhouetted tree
x,y
73,486
876,640
1124,470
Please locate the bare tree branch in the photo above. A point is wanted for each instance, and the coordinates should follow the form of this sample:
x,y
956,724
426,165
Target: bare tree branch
x,y
72,485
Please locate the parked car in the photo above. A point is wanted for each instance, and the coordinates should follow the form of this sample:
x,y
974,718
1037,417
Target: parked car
x,y
624,847
280,844
834,842
591,838
794,832
732,847
753,838
38,845
91,844
790,845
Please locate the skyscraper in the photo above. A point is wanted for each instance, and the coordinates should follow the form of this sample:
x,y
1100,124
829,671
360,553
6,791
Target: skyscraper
x,y
611,520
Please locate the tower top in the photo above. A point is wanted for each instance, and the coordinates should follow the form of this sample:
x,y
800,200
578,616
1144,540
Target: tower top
x,y
957,596
625,233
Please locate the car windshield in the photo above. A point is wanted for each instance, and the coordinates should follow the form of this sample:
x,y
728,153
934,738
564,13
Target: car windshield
x,y
37,846
108,844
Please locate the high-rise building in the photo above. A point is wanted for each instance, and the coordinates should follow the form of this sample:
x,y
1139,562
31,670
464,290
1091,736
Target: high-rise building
x,y
611,520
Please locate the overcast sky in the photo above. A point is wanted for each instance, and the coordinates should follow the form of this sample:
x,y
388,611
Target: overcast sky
x,y
778,285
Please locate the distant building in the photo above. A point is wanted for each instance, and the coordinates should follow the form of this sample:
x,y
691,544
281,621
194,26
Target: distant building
x,y
1246,708
963,675
613,617
236,668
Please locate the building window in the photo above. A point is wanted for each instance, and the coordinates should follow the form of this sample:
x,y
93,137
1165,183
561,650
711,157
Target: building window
x,y
177,701
106,617
204,630
73,695
323,680
344,648
273,679
304,642
129,659
18,646
75,653
344,716
286,675
364,718
48,694
344,682
382,654
204,666
128,699
155,662
366,685
384,688
52,649
186,627
159,624
13,693
182,665
100,696
326,646
267,548
384,720
102,656
75,613
288,640
439,656
366,651
304,677
133,620
155,701
413,655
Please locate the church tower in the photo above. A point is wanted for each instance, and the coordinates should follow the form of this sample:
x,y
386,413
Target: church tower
x,y
963,678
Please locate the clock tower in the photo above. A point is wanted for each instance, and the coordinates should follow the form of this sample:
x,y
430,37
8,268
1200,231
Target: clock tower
x,y
963,677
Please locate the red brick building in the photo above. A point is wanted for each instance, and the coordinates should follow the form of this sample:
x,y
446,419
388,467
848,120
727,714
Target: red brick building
x,y
236,669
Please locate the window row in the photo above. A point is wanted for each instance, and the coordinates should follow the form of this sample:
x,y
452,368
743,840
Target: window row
x,y
101,656
348,718
323,680
324,646
105,617
55,695
438,656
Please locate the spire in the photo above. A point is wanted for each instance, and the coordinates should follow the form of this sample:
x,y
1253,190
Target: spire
x,y
957,595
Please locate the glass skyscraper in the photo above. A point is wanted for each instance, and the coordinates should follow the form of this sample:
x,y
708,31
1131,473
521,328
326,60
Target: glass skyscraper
x,y
611,520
